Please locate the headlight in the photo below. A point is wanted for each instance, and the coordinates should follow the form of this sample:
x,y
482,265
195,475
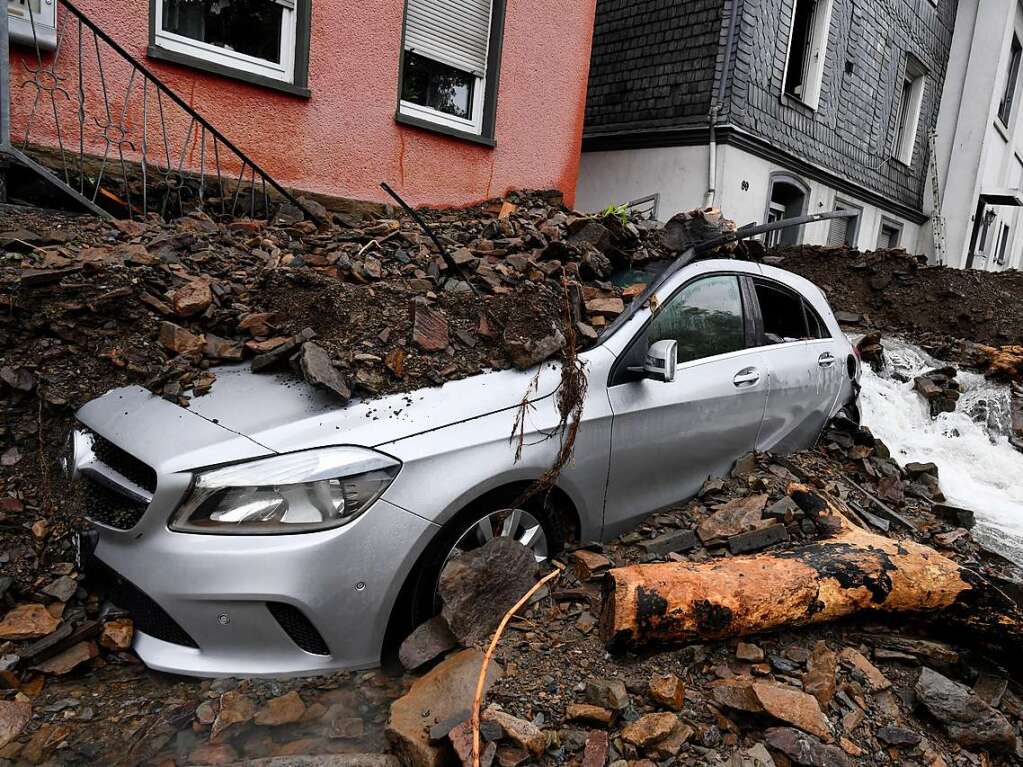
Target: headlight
x,y
299,492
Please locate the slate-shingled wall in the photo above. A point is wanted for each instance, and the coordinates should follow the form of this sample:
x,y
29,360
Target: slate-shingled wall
x,y
852,133
652,64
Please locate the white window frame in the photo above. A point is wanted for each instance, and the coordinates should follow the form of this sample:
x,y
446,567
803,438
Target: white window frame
x,y
473,124
852,224
285,71
910,112
813,66
20,22
888,223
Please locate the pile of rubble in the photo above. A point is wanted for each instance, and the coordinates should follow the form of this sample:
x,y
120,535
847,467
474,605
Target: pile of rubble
x,y
899,293
361,305
856,692
366,305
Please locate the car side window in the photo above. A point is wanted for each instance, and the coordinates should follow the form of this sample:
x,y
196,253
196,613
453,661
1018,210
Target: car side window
x,y
705,318
816,326
782,313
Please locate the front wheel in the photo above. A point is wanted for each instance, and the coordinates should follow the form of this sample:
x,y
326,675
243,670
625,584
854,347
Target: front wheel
x,y
536,526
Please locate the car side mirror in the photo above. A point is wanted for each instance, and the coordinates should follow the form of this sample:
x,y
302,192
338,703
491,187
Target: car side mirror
x,y
659,363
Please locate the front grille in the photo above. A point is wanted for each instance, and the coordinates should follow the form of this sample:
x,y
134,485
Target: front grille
x,y
123,462
109,507
148,616
298,627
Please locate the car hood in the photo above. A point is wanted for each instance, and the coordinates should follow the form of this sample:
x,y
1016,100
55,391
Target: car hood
x,y
283,413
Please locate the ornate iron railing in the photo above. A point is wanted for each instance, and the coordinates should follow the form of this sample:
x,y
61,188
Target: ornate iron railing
x,y
83,113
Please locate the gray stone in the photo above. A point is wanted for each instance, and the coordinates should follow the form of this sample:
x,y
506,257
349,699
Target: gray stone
x,y
680,540
898,736
430,640
607,693
784,508
62,588
761,538
480,586
320,371
970,721
955,515
804,749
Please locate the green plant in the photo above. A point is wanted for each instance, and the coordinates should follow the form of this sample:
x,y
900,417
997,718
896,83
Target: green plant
x,y
621,212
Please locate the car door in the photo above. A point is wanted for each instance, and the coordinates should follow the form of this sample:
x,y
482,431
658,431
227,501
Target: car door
x,y
668,437
801,366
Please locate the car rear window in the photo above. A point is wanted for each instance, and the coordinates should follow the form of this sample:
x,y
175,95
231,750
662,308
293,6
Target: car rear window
x,y
786,315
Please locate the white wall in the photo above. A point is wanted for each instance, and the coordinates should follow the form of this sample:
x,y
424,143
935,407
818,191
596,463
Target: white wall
x,y
975,153
679,175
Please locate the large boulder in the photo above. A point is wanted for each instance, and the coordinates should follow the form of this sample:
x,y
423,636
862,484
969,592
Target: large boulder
x,y
480,586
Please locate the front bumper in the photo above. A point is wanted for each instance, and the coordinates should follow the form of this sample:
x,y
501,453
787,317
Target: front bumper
x,y
247,605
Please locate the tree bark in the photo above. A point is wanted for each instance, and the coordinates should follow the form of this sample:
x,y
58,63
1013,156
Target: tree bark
x,y
849,570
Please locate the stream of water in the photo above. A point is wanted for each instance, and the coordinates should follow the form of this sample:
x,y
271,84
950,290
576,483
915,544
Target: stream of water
x,y
977,467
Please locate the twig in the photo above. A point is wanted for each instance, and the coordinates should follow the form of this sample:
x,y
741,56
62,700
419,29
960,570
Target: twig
x,y
475,721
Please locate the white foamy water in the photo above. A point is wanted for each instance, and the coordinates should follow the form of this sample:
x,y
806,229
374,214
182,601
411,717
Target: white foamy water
x,y
977,467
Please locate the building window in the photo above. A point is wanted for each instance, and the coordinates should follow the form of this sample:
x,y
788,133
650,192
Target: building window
x,y
263,41
808,43
910,100
449,58
1012,75
787,199
889,235
843,231
1003,244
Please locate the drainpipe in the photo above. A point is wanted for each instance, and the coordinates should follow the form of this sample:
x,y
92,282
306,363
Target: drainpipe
x,y
715,108
712,160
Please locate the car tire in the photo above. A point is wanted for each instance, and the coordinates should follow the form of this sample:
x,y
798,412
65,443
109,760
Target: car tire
x,y
424,601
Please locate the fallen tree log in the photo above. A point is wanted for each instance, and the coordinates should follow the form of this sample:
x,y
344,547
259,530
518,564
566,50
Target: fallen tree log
x,y
849,570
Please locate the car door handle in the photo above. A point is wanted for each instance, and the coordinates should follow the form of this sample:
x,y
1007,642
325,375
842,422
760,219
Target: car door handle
x,y
826,360
746,377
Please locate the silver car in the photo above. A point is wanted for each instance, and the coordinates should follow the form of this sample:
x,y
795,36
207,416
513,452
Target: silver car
x,y
265,530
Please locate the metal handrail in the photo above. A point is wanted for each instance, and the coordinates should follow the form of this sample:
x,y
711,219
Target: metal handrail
x,y
46,80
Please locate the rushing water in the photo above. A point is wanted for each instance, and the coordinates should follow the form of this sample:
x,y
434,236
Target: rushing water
x,y
977,467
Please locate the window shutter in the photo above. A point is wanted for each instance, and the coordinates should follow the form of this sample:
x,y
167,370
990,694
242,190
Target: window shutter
x,y
837,231
453,32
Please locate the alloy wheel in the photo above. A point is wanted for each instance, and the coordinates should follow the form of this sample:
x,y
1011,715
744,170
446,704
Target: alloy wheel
x,y
516,524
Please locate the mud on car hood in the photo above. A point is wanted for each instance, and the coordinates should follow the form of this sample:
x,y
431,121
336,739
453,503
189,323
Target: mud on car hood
x,y
283,413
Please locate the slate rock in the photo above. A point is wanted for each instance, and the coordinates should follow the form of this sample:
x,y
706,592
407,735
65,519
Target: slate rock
x,y
649,729
607,693
429,641
440,693
285,709
596,749
736,516
898,736
760,538
676,541
805,750
320,371
30,621
970,721
668,690
14,715
480,586
429,328
524,734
